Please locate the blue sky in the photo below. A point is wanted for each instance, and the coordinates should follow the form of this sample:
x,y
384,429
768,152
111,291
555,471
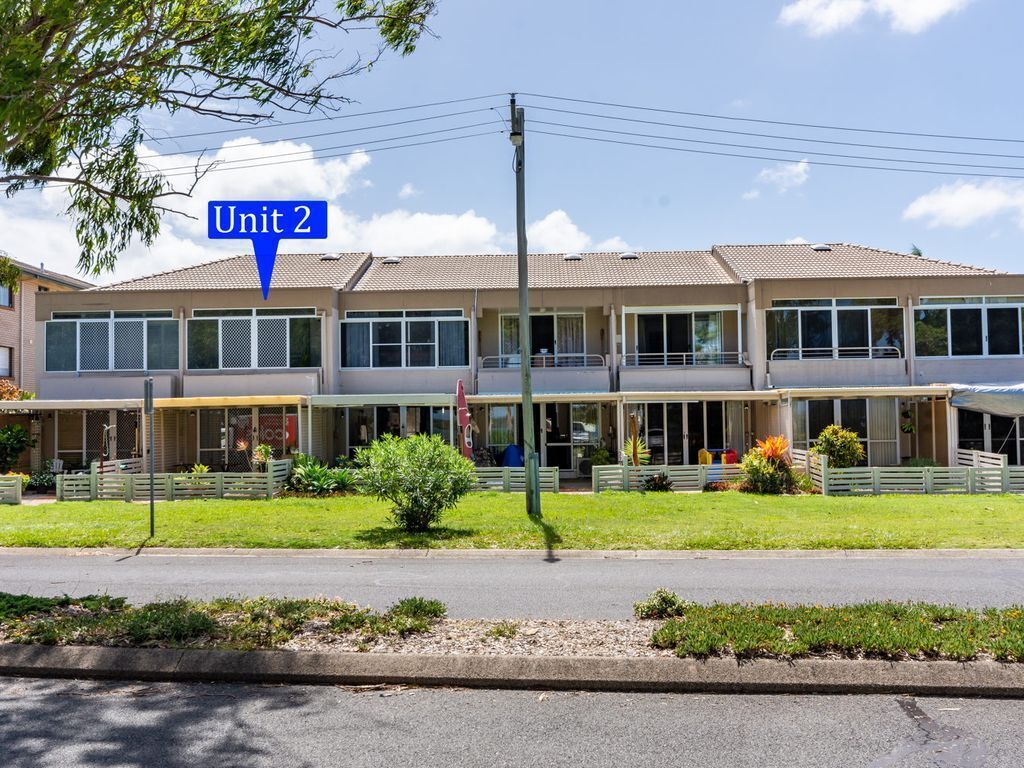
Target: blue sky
x,y
937,66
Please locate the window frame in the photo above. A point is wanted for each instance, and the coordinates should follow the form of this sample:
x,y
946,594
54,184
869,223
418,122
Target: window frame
x,y
982,303
834,306
255,314
403,317
111,318
10,362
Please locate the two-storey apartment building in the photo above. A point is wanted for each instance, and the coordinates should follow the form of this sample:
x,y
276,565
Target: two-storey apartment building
x,y
707,350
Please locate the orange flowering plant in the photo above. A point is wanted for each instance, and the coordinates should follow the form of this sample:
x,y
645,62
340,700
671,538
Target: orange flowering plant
x,y
774,447
767,467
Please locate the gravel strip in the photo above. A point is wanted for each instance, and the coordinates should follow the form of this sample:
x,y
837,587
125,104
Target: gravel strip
x,y
622,639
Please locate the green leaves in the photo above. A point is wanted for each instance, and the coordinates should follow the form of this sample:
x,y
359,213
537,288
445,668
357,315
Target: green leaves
x,y
77,78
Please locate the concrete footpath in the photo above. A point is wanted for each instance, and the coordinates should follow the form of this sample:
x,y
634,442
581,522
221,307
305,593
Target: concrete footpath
x,y
665,675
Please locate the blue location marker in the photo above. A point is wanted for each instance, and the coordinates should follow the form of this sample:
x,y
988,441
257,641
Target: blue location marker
x,y
266,223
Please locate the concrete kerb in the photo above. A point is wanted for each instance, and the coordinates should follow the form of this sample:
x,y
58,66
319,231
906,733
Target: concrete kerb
x,y
663,674
564,554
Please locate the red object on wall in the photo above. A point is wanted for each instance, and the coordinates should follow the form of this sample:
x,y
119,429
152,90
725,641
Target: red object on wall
x,y
729,456
291,431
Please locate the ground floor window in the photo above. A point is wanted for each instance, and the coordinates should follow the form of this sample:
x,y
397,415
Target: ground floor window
x,y
83,437
978,431
226,436
875,420
676,433
363,425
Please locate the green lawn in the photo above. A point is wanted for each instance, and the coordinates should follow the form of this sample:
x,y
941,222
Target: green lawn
x,y
492,520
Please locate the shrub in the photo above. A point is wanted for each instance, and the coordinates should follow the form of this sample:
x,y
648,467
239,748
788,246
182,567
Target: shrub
x,y
636,452
312,477
658,483
660,604
841,446
14,439
602,456
422,476
922,463
199,469
344,480
44,478
767,469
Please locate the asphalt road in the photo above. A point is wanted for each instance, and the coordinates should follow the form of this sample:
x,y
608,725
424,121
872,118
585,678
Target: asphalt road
x,y
527,586
72,724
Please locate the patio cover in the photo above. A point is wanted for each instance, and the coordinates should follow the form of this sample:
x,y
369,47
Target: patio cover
x,y
997,399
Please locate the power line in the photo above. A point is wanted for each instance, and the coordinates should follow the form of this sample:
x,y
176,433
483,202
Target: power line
x,y
781,137
216,169
780,149
160,171
334,133
775,159
817,126
307,121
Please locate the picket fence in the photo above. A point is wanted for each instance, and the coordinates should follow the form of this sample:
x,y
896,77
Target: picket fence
x,y
684,477
513,479
986,473
175,486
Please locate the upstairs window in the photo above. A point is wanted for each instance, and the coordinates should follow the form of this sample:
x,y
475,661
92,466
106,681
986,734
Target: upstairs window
x,y
814,329
243,339
6,297
988,326
112,341
430,338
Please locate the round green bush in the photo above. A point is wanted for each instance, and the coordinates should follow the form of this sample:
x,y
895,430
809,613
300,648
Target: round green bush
x,y
842,447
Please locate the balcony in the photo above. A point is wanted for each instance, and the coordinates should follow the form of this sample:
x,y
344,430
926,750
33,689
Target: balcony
x,y
837,367
683,371
562,372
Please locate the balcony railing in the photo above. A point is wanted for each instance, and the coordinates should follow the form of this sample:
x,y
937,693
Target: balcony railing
x,y
559,360
836,353
682,359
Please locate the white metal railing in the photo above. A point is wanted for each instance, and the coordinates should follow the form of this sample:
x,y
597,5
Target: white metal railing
x,y
836,353
556,360
682,359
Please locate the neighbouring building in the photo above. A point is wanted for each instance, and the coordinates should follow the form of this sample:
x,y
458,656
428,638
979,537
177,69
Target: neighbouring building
x,y
708,350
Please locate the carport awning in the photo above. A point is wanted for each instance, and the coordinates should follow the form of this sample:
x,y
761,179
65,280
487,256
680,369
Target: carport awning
x,y
997,399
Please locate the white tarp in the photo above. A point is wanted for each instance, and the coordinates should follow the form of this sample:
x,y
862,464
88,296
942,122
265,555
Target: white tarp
x,y
997,399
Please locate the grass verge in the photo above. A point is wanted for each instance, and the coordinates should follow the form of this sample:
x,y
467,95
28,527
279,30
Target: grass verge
x,y
727,520
897,631
259,623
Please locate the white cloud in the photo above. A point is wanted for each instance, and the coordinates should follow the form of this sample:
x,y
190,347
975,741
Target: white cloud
x,y
964,203
786,176
408,190
34,229
556,233
797,241
740,103
751,194
823,17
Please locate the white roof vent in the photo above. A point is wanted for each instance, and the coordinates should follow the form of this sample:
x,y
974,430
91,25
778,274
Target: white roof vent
x,y
628,256
821,247
392,260
572,257
330,256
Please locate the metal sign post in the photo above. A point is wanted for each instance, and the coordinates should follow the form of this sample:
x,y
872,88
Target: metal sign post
x,y
148,408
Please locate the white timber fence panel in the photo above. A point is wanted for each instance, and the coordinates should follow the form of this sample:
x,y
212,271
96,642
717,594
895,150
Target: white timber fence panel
x,y
171,486
10,490
513,479
684,477
118,466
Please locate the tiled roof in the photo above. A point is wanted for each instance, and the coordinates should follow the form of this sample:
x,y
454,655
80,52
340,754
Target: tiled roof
x,y
788,261
291,270
548,270
42,273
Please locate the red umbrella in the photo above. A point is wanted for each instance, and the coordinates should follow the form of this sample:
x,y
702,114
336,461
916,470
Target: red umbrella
x,y
465,439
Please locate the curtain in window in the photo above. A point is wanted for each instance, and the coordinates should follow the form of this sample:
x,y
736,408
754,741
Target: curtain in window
x,y
734,426
453,343
569,339
162,345
355,342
